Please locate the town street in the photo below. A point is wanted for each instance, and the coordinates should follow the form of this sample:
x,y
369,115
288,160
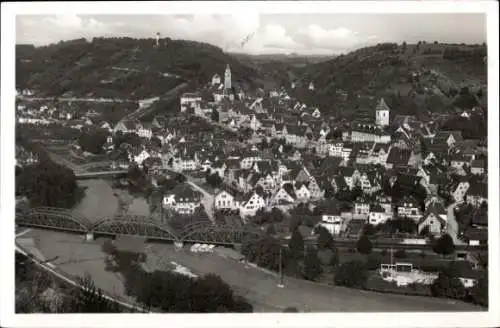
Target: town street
x,y
452,225
207,200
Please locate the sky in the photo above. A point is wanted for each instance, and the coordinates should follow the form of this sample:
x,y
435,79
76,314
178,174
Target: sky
x,y
308,34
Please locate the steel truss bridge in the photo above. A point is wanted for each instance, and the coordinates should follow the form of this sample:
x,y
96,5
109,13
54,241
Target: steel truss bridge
x,y
142,226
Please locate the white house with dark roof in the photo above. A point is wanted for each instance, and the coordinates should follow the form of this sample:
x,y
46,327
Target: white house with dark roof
x,y
332,220
224,200
182,199
377,215
434,217
283,196
408,207
251,203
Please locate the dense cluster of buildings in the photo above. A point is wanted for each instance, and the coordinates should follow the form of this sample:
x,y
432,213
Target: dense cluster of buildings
x,y
292,153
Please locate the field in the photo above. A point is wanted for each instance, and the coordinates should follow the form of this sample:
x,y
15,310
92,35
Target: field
x,y
74,256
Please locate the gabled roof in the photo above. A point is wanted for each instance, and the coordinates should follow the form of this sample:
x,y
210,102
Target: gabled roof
x,y
480,216
184,191
398,156
382,105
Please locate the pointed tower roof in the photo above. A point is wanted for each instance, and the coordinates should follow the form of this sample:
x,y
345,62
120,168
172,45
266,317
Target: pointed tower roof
x,y
382,105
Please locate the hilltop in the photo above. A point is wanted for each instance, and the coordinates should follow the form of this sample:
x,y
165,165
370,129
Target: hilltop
x,y
416,79
124,67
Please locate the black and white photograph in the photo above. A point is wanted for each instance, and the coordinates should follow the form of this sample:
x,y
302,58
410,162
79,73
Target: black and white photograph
x,y
273,163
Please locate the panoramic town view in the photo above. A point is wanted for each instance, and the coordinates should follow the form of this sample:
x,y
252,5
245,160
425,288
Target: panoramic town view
x,y
272,163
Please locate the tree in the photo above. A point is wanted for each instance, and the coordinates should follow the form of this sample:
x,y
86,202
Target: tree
x,y
325,238
444,245
210,293
479,292
335,259
312,265
404,46
264,252
215,115
93,141
271,230
351,274
296,244
373,262
88,299
48,184
364,245
448,286
369,230
295,222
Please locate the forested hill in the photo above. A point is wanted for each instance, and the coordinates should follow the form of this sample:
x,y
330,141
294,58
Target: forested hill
x,y
115,67
424,77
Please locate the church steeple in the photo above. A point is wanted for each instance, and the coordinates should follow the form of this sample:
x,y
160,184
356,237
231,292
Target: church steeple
x,y
382,113
227,78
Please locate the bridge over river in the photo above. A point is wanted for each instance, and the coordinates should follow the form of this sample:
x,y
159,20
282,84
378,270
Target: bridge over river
x,y
134,225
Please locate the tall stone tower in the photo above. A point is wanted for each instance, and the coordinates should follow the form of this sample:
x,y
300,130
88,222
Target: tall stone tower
x,y
382,113
227,78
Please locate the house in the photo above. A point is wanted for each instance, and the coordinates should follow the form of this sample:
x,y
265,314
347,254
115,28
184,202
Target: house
x,y
188,100
182,199
408,207
477,194
398,158
369,133
449,137
350,175
139,156
302,192
379,153
145,131
127,126
477,167
332,220
361,206
285,195
459,189
266,181
458,162
434,217
223,200
218,167
335,149
185,163
314,189
377,215
216,79
251,203
339,184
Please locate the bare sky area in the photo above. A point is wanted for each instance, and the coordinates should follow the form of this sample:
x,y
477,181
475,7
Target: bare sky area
x,y
272,33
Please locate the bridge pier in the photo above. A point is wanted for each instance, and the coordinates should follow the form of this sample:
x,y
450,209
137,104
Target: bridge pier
x,y
89,236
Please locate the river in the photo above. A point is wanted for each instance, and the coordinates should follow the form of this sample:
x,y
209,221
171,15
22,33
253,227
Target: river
x,y
101,200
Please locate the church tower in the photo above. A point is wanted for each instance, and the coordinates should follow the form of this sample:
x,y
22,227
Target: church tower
x,y
227,78
382,113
